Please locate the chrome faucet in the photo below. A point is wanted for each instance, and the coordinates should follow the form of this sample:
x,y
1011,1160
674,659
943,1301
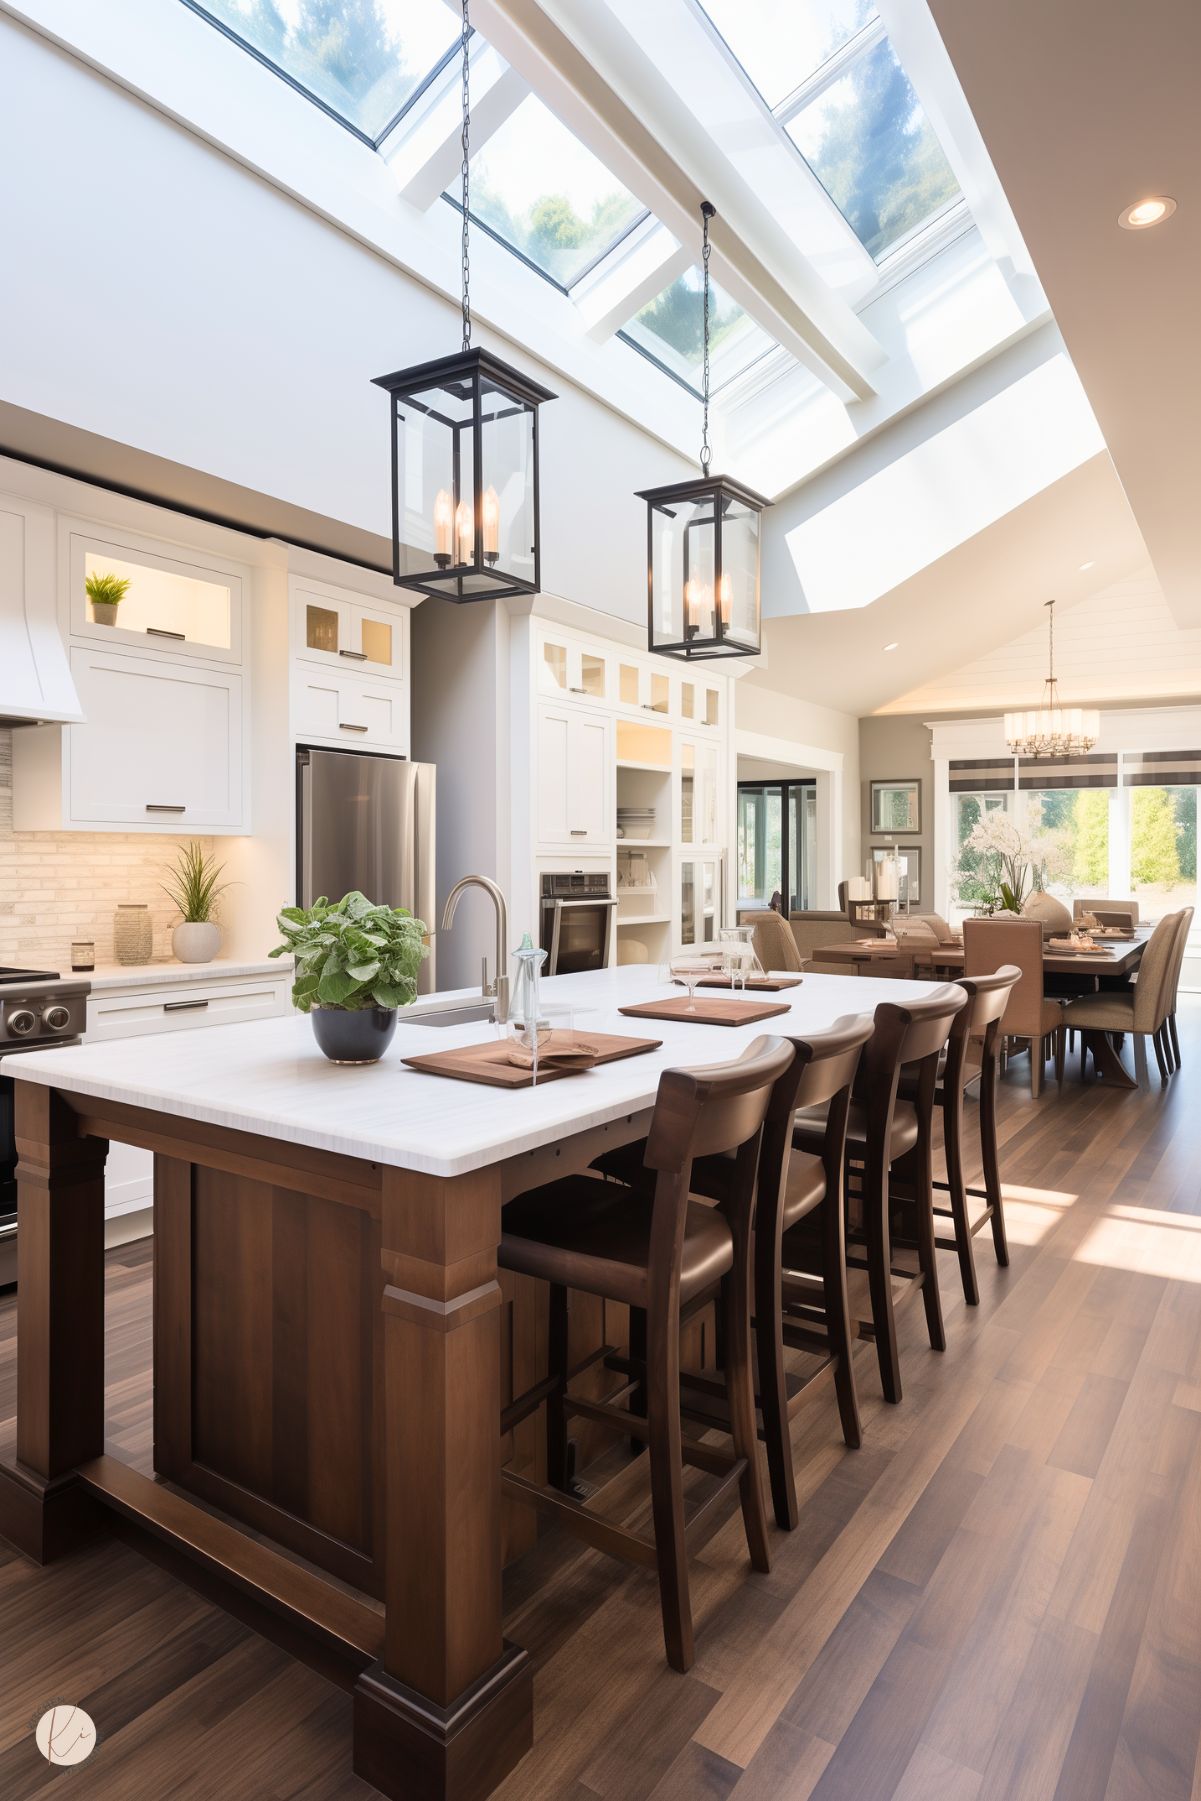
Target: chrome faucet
x,y
497,990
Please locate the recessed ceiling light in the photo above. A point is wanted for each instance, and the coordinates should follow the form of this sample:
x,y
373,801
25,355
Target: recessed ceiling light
x,y
1151,211
891,646
1085,566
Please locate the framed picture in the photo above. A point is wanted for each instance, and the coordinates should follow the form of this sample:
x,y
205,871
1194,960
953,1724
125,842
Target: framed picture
x,y
897,806
910,857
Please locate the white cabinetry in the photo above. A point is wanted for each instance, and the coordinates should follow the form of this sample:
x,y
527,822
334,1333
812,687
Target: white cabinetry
x,y
176,603
350,710
328,627
574,777
350,666
159,750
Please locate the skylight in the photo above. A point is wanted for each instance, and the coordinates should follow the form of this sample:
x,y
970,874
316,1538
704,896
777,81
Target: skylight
x,y
547,197
871,146
670,330
363,60
780,43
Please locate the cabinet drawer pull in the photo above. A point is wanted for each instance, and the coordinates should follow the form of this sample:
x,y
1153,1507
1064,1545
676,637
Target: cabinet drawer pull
x,y
577,690
183,1006
579,831
160,631
153,806
343,727
359,656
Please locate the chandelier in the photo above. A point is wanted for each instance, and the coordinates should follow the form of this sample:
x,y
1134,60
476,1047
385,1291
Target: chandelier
x,y
1052,730
702,543
465,452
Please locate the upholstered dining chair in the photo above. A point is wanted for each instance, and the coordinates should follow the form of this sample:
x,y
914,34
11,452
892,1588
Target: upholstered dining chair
x,y
653,1248
1141,1009
775,946
1127,908
1169,1034
987,944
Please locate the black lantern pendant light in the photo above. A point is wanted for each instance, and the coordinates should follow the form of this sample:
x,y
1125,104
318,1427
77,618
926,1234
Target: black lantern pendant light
x,y
702,543
465,456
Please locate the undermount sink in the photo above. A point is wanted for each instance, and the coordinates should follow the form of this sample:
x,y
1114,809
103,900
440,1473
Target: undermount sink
x,y
463,1013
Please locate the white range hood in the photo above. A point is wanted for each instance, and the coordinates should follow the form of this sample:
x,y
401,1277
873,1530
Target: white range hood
x,y
35,676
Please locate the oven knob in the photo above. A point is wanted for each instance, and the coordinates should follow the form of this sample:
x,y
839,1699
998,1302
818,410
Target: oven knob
x,y
22,1022
57,1018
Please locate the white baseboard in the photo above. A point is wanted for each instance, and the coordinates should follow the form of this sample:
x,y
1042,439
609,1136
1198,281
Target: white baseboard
x,y
123,1228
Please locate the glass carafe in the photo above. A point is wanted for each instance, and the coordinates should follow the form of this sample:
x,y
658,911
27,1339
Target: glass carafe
x,y
738,957
525,1010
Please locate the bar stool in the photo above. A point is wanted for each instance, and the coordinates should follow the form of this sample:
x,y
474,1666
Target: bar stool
x,y
975,1032
655,1249
815,1317
889,1140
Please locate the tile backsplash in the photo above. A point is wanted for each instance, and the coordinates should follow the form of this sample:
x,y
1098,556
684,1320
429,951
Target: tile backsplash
x,y
56,886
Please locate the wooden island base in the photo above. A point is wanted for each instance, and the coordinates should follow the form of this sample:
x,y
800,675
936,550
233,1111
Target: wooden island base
x,y
327,1351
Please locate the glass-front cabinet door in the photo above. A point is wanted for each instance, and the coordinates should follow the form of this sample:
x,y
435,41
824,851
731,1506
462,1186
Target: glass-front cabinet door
x,y
700,901
647,689
698,792
127,593
566,669
348,634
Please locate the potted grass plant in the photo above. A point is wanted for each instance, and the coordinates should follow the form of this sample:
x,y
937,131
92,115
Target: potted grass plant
x,y
194,884
356,964
106,592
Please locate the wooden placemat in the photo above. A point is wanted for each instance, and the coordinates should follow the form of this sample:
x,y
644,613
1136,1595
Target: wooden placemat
x,y
758,984
707,1012
487,1062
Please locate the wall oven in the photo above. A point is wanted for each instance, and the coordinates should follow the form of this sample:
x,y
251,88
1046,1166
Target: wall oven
x,y
576,921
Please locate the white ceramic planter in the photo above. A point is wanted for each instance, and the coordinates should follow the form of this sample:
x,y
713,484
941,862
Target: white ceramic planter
x,y
196,941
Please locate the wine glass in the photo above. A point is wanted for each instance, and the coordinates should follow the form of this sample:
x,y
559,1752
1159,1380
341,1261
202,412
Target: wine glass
x,y
689,970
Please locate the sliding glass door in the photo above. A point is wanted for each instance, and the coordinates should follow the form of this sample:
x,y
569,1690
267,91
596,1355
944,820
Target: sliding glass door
x,y
777,843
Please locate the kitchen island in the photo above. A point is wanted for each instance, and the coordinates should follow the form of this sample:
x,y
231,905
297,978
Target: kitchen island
x,y
327,1338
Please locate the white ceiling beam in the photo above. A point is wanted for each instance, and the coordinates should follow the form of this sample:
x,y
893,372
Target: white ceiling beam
x,y
425,151
591,72
624,281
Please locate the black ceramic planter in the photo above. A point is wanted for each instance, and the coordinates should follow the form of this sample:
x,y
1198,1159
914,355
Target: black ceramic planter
x,y
360,1036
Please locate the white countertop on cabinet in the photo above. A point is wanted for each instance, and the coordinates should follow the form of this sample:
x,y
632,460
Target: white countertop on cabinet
x,y
268,1076
169,974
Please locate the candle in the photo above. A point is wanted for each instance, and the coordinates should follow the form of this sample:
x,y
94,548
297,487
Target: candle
x,y
725,597
886,879
859,888
491,525
442,524
464,533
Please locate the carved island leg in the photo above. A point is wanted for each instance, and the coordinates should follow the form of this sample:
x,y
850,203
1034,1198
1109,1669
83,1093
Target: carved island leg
x,y
448,1710
60,1324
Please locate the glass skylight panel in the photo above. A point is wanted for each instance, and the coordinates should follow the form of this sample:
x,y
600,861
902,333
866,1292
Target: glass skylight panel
x,y
871,146
780,43
363,59
540,190
670,329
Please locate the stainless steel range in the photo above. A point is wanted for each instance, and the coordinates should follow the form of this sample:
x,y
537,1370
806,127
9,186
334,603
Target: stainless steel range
x,y
37,1010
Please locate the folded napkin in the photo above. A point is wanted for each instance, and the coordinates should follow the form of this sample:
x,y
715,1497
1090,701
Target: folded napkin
x,y
556,1050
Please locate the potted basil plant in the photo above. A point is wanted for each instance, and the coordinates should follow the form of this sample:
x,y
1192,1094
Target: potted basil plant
x,y
356,963
106,592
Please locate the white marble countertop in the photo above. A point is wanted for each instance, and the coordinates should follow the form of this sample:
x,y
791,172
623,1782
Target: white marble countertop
x,y
107,976
268,1076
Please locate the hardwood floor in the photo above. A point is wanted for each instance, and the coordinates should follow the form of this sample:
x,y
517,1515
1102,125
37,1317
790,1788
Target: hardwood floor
x,y
997,1599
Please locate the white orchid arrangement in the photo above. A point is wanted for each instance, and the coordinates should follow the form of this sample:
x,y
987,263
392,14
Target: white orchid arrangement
x,y
1003,866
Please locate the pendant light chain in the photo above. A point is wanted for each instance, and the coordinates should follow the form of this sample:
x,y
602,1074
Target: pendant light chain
x,y
466,172
1051,644
707,212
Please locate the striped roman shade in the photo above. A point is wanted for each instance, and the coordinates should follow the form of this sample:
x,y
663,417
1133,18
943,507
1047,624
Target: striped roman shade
x,y
1161,768
988,775
1095,771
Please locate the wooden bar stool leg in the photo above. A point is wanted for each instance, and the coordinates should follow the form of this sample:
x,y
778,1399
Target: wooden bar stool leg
x,y
927,1252
557,1458
952,1114
773,1392
667,1482
740,1393
879,1276
838,1320
992,1167
638,1355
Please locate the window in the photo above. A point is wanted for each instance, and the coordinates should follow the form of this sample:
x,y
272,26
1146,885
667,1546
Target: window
x,y
777,843
538,189
670,330
362,60
871,146
781,42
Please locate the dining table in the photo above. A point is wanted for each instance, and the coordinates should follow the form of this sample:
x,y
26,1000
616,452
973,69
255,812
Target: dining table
x,y
333,1340
1118,956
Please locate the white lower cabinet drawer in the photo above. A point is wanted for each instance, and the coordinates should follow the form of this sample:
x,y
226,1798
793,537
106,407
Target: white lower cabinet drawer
x,y
121,1014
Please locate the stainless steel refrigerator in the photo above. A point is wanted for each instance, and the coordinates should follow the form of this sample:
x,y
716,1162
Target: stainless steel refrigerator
x,y
367,822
